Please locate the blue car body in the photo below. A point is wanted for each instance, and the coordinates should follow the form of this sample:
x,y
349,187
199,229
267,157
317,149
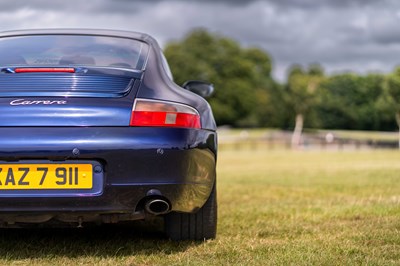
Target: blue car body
x,y
83,117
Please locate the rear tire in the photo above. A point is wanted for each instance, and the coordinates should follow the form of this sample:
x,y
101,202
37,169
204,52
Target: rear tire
x,y
201,225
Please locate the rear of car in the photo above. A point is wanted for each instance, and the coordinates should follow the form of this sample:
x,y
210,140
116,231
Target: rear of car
x,y
93,129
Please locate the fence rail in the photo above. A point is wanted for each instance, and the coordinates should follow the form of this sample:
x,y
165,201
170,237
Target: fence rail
x,y
282,140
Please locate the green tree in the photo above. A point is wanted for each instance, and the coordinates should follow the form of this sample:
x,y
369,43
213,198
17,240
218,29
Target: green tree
x,y
351,101
392,86
244,90
302,88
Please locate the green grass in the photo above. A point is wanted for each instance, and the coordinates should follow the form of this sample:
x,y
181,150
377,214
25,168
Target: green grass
x,y
275,207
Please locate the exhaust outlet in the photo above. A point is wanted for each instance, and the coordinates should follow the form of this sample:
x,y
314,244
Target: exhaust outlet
x,y
157,206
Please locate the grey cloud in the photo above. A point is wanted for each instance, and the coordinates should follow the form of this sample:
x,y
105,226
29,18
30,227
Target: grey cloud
x,y
73,6
384,29
12,6
312,4
306,4
358,34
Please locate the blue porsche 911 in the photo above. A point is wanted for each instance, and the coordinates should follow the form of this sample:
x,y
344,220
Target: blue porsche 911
x,y
93,129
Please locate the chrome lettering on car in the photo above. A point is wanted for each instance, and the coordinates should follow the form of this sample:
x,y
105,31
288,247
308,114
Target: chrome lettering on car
x,y
45,102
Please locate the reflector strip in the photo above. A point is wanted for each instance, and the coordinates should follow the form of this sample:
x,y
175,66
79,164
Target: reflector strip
x,y
45,69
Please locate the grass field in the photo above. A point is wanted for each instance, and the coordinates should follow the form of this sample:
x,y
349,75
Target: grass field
x,y
275,207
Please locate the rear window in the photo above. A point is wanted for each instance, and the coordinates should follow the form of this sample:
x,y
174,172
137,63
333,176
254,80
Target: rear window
x,y
72,50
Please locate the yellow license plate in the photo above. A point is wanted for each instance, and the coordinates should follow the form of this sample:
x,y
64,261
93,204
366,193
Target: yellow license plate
x,y
46,176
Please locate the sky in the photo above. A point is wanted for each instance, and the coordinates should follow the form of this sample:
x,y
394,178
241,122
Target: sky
x,y
342,35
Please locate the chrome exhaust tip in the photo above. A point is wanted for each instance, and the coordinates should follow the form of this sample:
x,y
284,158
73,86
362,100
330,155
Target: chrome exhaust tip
x,y
157,206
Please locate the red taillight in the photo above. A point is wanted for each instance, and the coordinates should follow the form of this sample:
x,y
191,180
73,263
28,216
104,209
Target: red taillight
x,y
163,114
164,119
44,70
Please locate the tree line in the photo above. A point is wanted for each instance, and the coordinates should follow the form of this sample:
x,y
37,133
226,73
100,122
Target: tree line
x,y
246,95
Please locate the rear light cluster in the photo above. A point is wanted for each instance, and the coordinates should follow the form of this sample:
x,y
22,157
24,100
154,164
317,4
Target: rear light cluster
x,y
152,113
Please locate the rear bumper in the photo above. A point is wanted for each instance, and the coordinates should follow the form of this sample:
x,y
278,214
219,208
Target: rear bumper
x,y
178,163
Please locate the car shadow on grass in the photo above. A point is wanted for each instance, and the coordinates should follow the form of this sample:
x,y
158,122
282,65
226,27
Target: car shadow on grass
x,y
136,238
